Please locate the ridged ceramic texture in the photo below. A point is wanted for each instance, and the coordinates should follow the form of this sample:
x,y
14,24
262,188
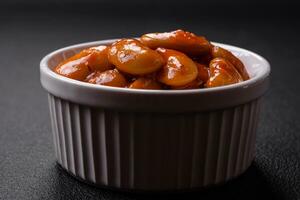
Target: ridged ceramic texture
x,y
153,151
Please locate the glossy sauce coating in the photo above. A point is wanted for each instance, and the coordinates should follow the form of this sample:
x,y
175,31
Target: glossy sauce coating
x,y
109,78
131,56
176,60
191,85
179,69
222,72
145,83
180,40
203,59
203,72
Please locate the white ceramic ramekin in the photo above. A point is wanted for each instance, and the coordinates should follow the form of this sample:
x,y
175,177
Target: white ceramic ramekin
x,y
154,140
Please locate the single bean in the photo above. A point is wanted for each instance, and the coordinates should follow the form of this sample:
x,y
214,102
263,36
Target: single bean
x,y
132,57
109,78
75,69
222,72
179,69
237,63
180,40
98,58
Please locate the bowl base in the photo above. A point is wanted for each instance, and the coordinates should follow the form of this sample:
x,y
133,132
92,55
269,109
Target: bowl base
x,y
156,192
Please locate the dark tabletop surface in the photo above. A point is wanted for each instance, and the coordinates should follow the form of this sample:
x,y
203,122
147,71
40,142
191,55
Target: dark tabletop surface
x,y
27,164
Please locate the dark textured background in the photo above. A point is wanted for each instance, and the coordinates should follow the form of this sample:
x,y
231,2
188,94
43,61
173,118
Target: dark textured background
x,y
28,31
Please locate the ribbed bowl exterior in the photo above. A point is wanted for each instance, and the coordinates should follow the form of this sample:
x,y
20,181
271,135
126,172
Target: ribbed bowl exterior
x,y
153,151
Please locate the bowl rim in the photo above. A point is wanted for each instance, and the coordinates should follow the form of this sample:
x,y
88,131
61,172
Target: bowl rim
x,y
44,68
